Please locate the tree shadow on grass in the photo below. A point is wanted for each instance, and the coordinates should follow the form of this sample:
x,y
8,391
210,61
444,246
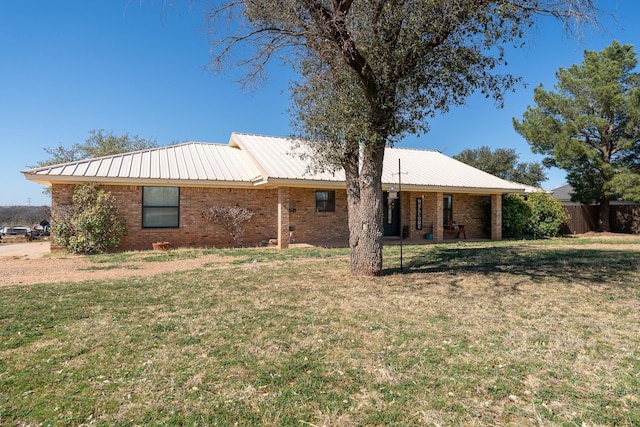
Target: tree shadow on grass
x,y
538,265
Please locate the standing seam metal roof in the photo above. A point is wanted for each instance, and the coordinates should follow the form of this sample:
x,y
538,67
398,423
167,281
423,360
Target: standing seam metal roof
x,y
279,158
182,162
422,168
255,159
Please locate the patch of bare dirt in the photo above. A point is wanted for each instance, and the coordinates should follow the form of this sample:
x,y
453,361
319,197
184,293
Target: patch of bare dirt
x,y
30,267
70,268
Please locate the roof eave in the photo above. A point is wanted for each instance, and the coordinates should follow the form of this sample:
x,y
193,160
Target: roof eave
x,y
299,183
258,182
455,189
50,180
280,182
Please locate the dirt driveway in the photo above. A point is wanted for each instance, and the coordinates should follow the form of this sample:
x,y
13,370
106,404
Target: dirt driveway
x,y
26,264
31,250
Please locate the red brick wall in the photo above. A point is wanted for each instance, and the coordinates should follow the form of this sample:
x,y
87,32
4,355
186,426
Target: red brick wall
x,y
317,228
468,209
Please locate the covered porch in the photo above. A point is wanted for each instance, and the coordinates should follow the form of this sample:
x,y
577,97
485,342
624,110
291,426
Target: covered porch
x,y
421,217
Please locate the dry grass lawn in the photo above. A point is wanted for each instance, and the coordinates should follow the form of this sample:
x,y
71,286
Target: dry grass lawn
x,y
506,333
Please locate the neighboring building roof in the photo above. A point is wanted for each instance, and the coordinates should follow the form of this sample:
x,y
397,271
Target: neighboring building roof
x,y
562,193
250,160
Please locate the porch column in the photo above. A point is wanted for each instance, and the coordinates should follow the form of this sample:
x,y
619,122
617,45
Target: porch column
x,y
438,235
496,217
283,217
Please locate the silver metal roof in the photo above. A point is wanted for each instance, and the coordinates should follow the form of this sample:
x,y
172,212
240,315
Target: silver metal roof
x,y
432,169
420,169
249,160
193,162
280,158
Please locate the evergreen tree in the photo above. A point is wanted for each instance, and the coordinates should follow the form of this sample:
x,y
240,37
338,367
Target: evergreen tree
x,y
590,126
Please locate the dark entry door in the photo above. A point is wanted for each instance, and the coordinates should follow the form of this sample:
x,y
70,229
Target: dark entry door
x,y
391,215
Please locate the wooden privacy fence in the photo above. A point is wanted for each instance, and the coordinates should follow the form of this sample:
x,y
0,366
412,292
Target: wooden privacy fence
x,y
584,218
625,219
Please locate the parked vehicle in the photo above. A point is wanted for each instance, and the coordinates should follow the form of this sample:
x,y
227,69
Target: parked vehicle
x,y
40,230
18,230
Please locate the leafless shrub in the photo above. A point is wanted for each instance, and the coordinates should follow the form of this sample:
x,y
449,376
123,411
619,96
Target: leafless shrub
x,y
231,218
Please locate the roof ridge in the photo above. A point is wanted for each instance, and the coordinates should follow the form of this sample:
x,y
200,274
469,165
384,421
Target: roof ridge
x,y
262,135
433,150
290,138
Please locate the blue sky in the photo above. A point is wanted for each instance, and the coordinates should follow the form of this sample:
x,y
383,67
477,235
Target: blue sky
x,y
70,66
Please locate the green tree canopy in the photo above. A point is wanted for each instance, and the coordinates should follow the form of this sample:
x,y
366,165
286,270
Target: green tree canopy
x,y
99,143
590,126
373,72
503,163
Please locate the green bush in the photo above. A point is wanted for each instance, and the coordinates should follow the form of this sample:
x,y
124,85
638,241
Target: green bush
x,y
92,224
547,215
516,211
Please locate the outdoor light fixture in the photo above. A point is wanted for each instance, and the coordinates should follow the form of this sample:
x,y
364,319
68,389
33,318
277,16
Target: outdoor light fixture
x,y
393,195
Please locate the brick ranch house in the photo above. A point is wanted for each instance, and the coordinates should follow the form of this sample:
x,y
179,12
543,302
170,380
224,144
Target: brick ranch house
x,y
162,193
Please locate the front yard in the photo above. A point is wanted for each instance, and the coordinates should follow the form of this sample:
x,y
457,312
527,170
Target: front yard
x,y
502,333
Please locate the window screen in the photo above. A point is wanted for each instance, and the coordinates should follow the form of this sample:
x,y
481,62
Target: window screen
x,y
160,207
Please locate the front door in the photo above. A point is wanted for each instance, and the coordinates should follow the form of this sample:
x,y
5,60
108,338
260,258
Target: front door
x,y
391,215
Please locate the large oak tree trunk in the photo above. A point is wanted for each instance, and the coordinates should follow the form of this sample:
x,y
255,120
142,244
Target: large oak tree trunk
x,y
364,201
